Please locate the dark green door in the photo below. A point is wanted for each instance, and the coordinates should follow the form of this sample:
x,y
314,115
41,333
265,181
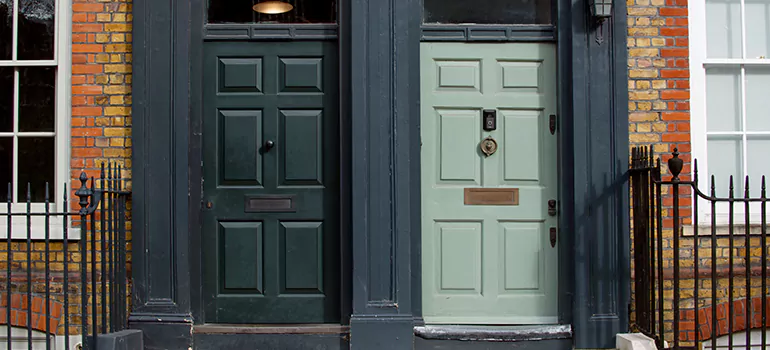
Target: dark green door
x,y
271,173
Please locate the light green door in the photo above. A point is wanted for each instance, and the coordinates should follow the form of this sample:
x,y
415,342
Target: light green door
x,y
487,253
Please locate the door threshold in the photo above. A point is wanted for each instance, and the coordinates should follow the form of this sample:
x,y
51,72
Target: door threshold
x,y
494,332
320,328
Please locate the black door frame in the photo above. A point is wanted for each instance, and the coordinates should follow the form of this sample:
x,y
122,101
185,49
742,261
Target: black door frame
x,y
379,91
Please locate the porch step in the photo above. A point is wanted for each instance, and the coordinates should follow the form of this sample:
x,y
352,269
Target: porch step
x,y
494,333
268,337
634,341
271,329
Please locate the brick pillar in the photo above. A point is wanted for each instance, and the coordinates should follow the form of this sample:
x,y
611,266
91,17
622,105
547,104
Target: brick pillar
x,y
101,84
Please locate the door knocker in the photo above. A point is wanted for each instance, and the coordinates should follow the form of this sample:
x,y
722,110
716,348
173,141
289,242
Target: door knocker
x,y
488,146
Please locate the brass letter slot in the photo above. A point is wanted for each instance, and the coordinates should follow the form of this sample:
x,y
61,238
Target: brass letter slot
x,y
269,203
491,196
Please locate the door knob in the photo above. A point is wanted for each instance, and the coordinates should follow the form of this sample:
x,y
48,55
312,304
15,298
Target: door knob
x,y
269,144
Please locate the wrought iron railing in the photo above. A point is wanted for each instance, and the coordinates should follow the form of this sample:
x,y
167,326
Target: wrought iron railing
x,y
690,289
71,290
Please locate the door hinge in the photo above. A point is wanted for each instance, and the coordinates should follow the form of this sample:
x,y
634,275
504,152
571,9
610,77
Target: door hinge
x,y
552,207
553,237
552,123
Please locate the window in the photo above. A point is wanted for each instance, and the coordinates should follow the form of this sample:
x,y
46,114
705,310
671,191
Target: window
x,y
730,77
272,11
487,11
34,104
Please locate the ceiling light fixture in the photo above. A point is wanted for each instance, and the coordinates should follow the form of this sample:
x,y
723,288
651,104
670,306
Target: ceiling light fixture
x,y
273,7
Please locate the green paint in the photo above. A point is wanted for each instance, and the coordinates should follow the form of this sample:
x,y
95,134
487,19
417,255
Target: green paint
x,y
271,266
485,264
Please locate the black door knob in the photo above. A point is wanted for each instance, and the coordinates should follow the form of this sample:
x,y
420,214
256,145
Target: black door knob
x,y
269,144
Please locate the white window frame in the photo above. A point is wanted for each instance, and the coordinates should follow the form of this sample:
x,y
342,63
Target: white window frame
x,y
698,123
62,61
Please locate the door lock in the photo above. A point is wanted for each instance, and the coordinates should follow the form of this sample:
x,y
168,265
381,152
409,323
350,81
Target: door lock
x,y
552,207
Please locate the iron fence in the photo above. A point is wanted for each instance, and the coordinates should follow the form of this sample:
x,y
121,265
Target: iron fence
x,y
690,289
78,289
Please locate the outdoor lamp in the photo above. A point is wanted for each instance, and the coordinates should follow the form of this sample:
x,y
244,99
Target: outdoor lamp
x,y
273,7
601,9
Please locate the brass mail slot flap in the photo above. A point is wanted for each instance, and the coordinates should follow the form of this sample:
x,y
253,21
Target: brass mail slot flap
x,y
491,196
269,203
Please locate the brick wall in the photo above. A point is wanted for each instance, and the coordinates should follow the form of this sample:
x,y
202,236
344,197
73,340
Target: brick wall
x,y
101,84
659,115
100,133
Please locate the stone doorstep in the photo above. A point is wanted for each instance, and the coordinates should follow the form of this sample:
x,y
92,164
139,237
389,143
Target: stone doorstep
x,y
634,341
270,329
494,333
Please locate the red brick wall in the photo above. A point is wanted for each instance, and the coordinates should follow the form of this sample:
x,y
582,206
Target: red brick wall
x,y
41,318
659,96
100,133
101,84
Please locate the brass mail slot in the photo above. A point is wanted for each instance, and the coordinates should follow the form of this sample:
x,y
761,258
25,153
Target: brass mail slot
x,y
269,203
491,196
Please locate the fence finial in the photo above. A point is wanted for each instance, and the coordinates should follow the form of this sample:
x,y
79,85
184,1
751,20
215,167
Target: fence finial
x,y
675,165
83,192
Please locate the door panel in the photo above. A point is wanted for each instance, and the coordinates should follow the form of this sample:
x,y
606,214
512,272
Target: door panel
x,y
483,263
270,223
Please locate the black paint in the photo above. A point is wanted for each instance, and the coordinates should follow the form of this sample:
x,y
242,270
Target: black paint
x,y
379,57
160,165
385,74
271,341
424,344
490,33
123,340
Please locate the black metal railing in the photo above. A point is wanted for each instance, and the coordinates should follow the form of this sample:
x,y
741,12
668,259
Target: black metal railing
x,y
691,289
59,286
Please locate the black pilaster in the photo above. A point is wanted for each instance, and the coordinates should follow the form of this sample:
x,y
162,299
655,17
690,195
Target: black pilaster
x,y
599,149
384,113
161,295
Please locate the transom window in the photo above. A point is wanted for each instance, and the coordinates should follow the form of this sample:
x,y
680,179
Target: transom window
x,y
34,101
730,80
487,12
272,11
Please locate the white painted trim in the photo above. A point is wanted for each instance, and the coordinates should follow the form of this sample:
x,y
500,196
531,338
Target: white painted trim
x,y
698,118
62,61
732,61
63,100
698,127
24,63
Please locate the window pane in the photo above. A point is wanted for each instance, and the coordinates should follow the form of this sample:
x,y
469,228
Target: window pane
x,y
723,29
6,99
488,11
757,164
757,101
723,99
292,11
6,166
725,157
36,29
6,29
36,166
37,98
757,28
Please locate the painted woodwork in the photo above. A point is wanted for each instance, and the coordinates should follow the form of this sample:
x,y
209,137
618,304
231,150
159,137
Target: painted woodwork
x,y
490,260
271,174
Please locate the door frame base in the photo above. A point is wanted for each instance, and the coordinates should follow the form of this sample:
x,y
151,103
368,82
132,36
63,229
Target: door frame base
x,y
494,333
320,328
